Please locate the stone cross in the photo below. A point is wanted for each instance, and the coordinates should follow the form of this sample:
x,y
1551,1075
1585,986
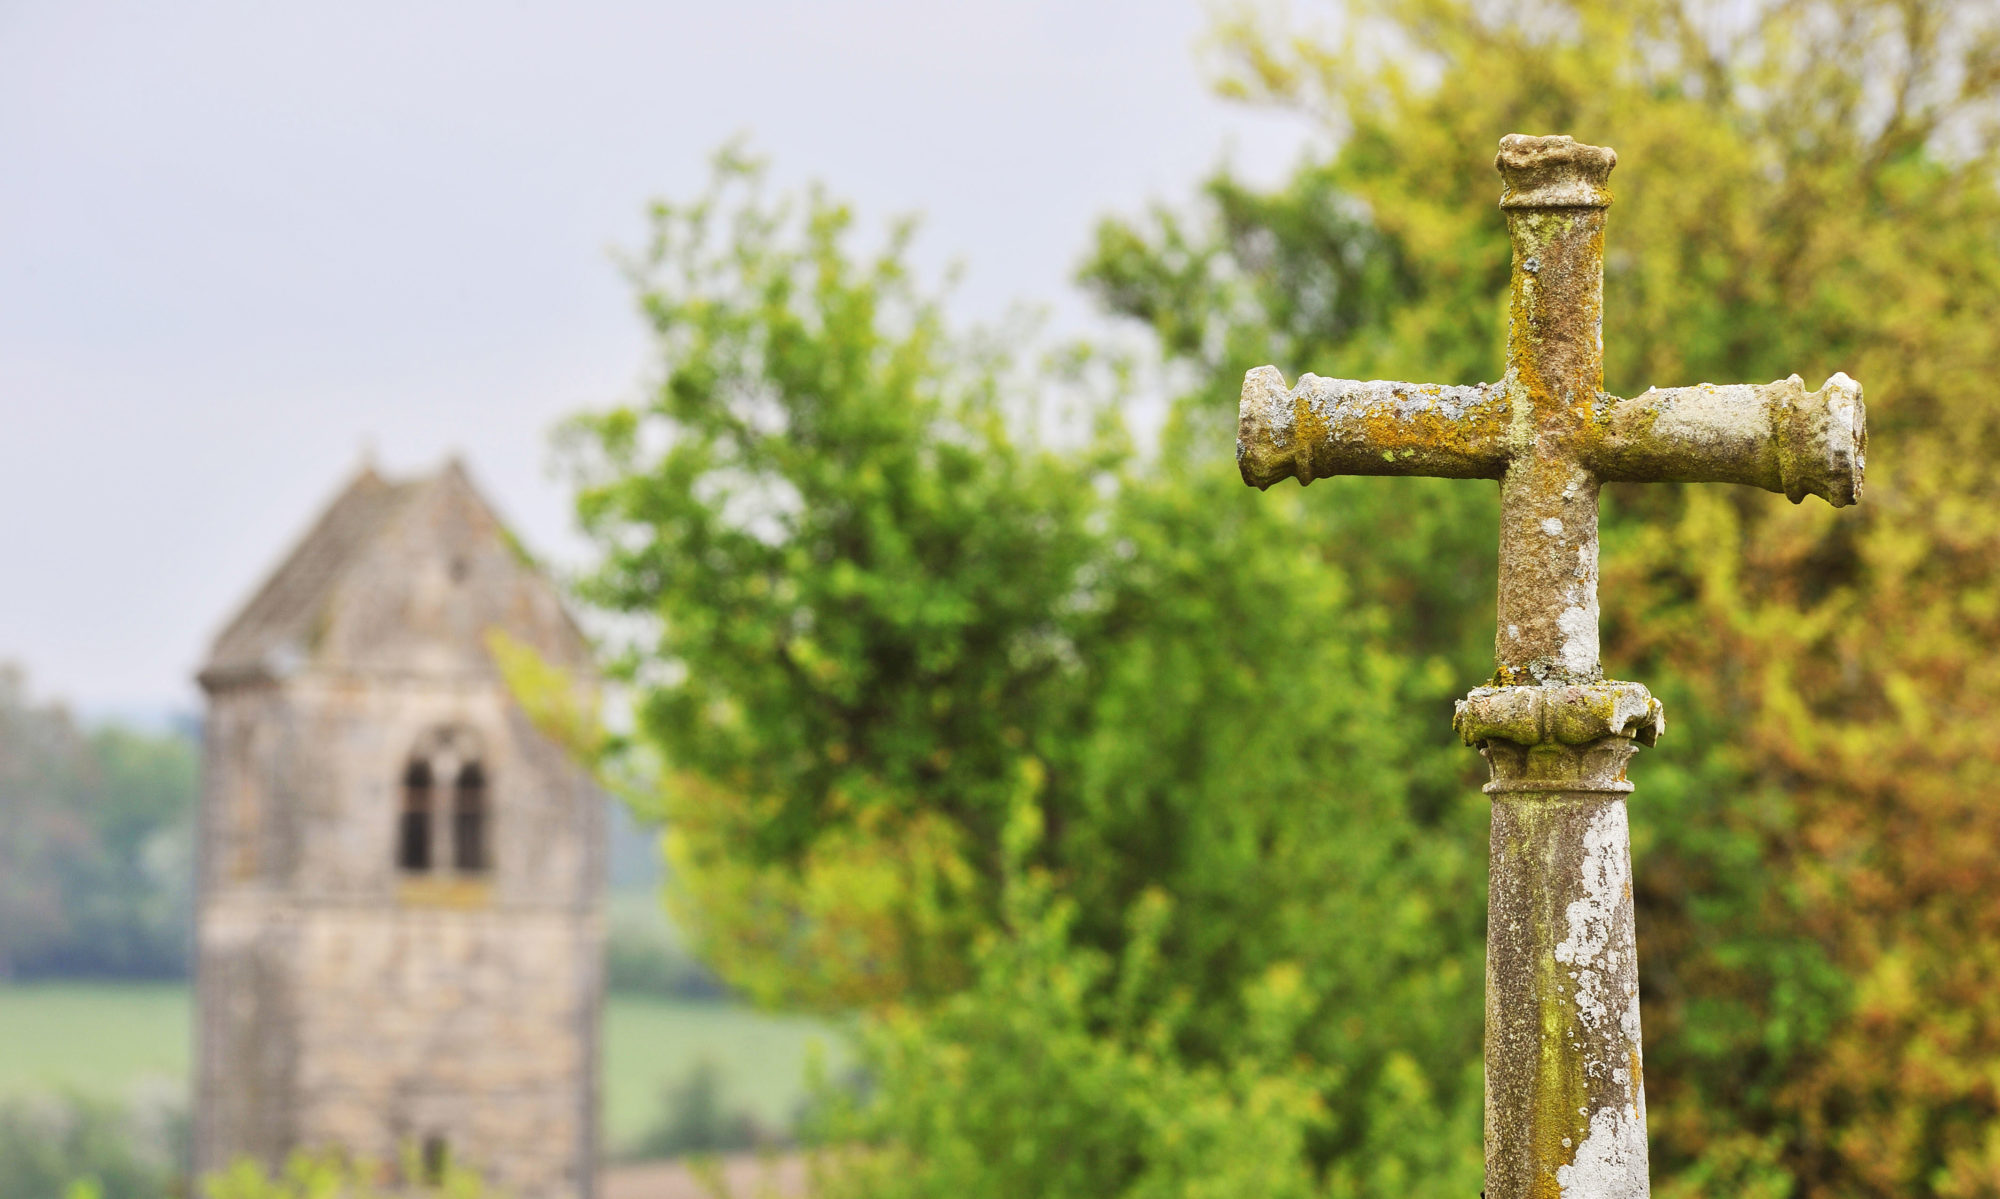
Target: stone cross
x,y
1565,1101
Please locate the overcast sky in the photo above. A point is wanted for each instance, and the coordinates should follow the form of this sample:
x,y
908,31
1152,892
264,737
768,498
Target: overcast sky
x,y
238,241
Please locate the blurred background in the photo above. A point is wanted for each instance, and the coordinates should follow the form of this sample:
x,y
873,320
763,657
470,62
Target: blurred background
x,y
865,376
245,247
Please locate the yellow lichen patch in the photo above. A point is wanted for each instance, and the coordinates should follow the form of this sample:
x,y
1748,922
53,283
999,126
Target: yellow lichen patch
x,y
1431,432
1561,1092
445,891
1308,433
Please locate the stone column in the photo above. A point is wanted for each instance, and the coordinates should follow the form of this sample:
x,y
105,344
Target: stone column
x,y
1565,1100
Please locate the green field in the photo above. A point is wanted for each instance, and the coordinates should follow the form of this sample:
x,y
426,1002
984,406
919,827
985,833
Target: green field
x,y
651,1043
106,1040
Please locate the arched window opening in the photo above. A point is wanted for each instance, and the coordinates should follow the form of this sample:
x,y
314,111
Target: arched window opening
x,y
413,839
468,819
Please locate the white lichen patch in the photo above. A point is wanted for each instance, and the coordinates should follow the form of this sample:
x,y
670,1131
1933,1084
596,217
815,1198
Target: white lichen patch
x,y
1611,1162
1578,626
1269,401
1553,527
1706,419
1598,932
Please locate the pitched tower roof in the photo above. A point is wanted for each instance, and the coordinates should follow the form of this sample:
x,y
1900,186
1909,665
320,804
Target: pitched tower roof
x,y
396,576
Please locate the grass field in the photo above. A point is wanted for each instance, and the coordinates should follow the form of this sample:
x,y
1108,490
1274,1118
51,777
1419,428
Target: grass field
x,y
106,1040
651,1043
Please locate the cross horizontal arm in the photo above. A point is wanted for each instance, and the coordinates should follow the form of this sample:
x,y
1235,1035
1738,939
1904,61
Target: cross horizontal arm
x,y
1327,427
1777,436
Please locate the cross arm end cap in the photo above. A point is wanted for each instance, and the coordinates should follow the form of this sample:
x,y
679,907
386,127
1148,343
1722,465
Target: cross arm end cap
x,y
1823,440
1266,450
1553,172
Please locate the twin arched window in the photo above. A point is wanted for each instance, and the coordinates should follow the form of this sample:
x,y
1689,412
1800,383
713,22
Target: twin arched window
x,y
422,832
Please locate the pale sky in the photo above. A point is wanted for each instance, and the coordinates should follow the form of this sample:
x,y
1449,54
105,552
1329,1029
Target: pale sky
x,y
238,241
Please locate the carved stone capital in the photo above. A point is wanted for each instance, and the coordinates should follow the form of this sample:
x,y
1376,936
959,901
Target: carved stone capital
x,y
1559,738
1567,715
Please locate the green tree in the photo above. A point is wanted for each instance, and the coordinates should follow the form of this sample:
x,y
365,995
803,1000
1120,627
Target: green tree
x,y
96,841
889,624
44,755
88,1148
336,1175
695,1119
1803,187
1123,796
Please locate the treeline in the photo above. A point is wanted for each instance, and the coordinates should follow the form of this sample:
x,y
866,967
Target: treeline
x,y
96,844
97,858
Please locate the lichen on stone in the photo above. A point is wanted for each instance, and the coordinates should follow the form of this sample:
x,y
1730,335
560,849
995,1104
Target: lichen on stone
x,y
1611,1162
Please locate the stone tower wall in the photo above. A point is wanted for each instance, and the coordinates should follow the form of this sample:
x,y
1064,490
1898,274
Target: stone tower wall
x,y
344,1002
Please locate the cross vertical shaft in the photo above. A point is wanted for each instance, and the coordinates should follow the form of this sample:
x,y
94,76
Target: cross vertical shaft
x,y
1565,1097
1555,203
1565,1094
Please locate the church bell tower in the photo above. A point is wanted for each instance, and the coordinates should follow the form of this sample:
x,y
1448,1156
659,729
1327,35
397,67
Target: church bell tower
x,y
399,913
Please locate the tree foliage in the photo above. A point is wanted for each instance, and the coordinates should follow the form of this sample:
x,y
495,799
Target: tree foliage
x,y
96,844
1124,795
1803,187
86,1148
889,624
330,1174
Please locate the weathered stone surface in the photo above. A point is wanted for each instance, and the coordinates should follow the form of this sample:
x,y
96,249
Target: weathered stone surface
x,y
1566,1104
1548,498
1328,427
1553,172
1777,436
342,1001
1568,715
1547,430
1566,1112
1566,1107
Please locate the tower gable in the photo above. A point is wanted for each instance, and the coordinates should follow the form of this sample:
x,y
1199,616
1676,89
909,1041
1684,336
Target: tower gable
x,y
397,578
